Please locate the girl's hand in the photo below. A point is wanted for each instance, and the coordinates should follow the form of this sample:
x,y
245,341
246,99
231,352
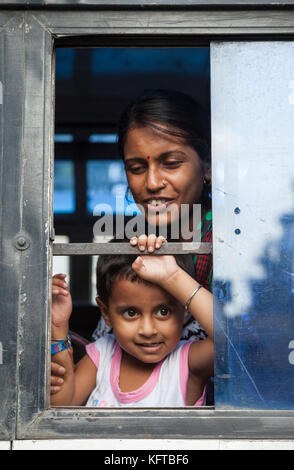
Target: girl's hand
x,y
61,302
156,269
57,380
151,242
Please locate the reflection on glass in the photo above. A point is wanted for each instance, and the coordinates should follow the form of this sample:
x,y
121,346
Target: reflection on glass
x,y
103,138
107,185
63,138
64,188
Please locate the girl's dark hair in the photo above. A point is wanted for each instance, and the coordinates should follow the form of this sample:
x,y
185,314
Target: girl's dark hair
x,y
183,116
111,267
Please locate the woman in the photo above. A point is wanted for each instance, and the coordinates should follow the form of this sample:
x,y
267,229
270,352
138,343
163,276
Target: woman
x,y
164,140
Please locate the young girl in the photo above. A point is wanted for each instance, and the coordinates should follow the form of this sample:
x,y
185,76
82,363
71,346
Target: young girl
x,y
145,300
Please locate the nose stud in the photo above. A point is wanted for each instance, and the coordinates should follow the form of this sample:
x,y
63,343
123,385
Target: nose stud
x,y
164,182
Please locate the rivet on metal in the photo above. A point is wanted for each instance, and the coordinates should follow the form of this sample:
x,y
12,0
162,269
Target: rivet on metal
x,y
22,243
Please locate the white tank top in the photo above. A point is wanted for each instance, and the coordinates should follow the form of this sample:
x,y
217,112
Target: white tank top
x,y
166,386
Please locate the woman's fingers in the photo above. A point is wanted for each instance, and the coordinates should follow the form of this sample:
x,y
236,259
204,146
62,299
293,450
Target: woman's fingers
x,y
142,242
57,370
56,380
159,241
150,242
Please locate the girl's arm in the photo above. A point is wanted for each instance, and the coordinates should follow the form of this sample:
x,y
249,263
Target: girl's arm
x,y
181,286
65,394
201,353
79,381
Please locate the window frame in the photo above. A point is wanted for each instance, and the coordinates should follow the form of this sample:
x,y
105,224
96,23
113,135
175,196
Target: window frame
x,y
30,38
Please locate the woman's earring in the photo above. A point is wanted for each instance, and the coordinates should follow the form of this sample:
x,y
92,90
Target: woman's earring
x,y
128,194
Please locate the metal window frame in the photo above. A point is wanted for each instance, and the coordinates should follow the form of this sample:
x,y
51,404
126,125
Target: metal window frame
x,y
27,41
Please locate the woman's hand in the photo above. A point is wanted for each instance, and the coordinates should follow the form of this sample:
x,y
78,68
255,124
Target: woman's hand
x,y
158,269
150,242
61,303
57,378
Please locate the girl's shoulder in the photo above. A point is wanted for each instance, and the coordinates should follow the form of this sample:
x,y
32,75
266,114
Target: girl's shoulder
x,y
101,348
179,354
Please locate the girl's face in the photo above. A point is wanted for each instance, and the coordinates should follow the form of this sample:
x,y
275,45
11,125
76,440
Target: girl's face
x,y
163,172
147,322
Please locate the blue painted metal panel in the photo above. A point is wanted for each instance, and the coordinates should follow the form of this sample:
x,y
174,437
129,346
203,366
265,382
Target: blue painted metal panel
x,y
253,206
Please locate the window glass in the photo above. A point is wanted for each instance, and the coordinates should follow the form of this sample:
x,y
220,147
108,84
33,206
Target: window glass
x,y
63,138
64,191
253,146
150,61
88,107
64,63
107,187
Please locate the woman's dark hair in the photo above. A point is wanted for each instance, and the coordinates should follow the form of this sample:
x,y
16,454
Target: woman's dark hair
x,y
111,267
183,116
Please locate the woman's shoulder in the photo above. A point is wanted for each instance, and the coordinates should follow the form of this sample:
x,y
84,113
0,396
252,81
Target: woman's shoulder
x,y
203,262
206,226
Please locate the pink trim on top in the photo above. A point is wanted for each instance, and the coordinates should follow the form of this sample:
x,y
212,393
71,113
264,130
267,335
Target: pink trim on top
x,y
93,353
184,375
200,400
134,395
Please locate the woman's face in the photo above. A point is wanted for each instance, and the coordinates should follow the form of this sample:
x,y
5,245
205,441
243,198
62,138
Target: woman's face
x,y
163,173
